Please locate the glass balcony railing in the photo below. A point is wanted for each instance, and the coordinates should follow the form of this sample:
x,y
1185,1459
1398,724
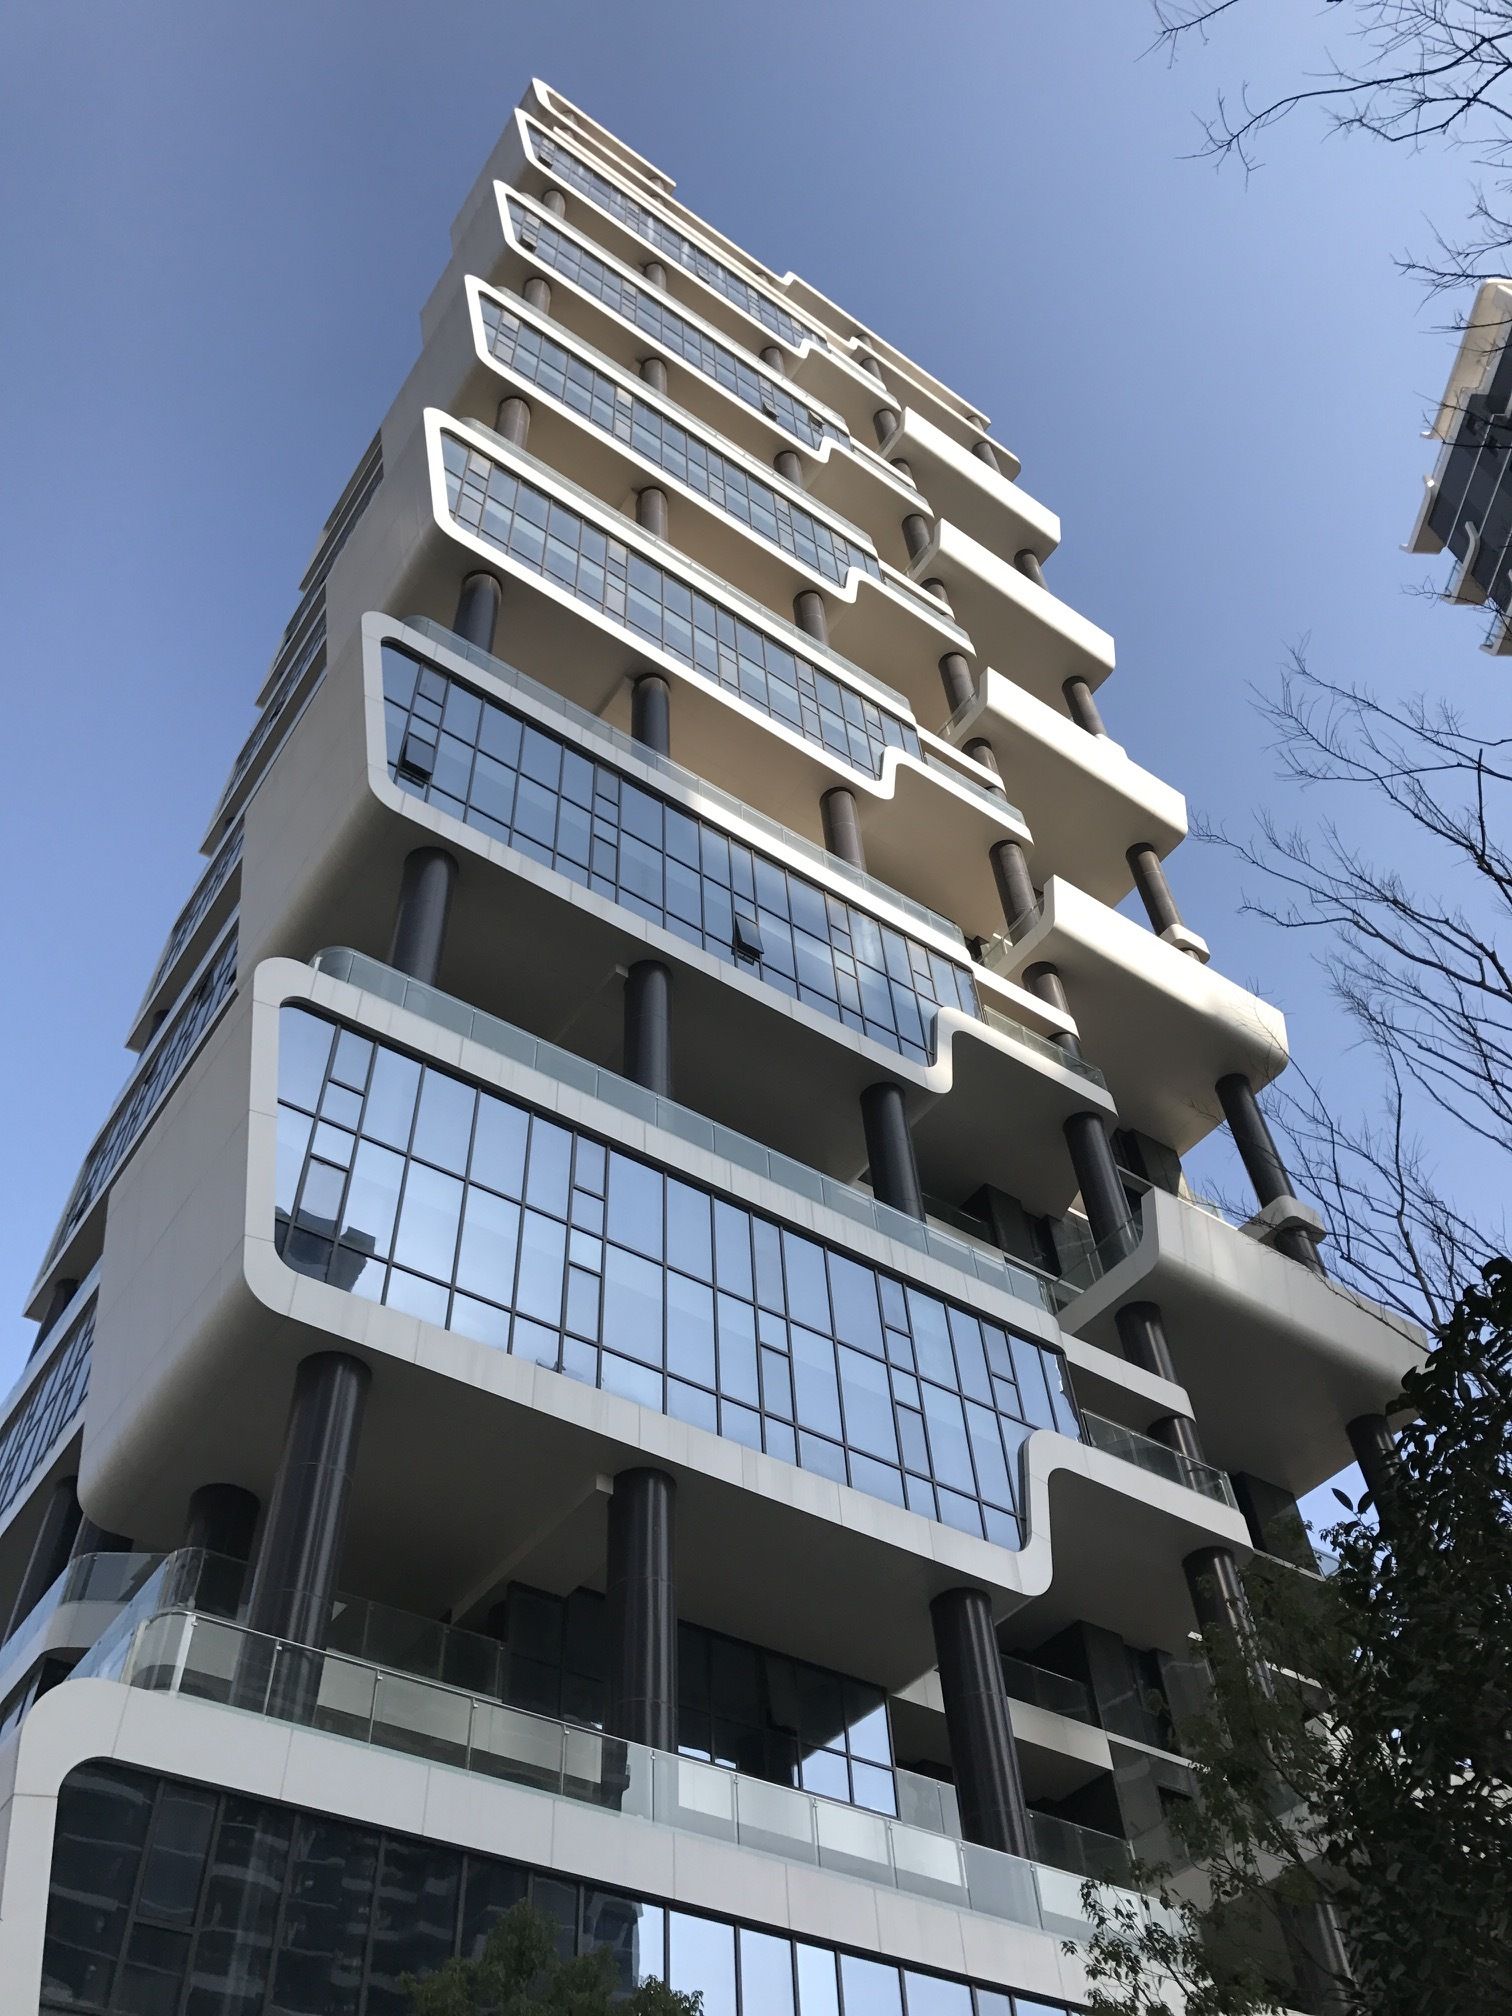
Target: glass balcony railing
x,y
1041,1688
1042,1046
1082,1851
1159,1459
212,1659
994,1270
89,1578
622,744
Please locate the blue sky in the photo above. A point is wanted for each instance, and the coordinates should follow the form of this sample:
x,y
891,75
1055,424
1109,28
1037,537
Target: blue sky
x,y
218,229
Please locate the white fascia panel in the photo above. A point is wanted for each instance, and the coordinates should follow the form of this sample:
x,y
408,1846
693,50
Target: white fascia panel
x,y
962,488
1160,1026
1014,622
1085,800
1484,339
1275,1358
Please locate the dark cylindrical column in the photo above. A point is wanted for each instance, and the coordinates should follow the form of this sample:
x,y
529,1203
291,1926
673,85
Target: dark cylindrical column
x,y
1154,889
979,1723
641,1594
651,712
916,533
1142,1335
1044,980
1097,1176
538,294
651,510
49,1550
425,894
294,1577
477,614
773,359
904,469
555,201
1263,1164
980,750
955,677
1375,1451
842,826
789,466
514,421
890,1149
1081,705
810,615
934,586
63,1291
885,424
655,272
92,1539
654,371
648,1026
222,1519
1015,885
1212,1576
985,452
1028,563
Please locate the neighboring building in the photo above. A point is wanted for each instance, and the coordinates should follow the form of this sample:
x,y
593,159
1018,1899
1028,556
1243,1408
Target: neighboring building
x,y
637,1331
1467,501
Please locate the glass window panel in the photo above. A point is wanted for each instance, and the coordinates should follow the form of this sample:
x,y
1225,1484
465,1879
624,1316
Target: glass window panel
x,y
866,1722
415,1296
304,1046
854,1292
691,1404
633,1305
689,1246
701,1955
690,1329
928,1995
372,1199
818,1992
490,1245
1031,1384
498,1155
480,1321
874,1788
807,1287
631,1381
868,1406
543,1243
443,1125
766,1974
817,1392
737,1349
390,1110
870,1987
635,1206
550,1166
931,1338
947,1439
293,1143
991,1470
428,1220
732,1249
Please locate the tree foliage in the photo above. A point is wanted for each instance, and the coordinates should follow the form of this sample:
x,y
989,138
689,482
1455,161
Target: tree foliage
x,y
519,1973
1367,1766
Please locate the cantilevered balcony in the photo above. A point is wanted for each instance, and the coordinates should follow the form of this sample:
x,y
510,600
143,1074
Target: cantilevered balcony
x,y
1028,634
1276,1359
195,930
1085,801
1162,1027
698,276
969,492
758,708
540,936
611,434
617,310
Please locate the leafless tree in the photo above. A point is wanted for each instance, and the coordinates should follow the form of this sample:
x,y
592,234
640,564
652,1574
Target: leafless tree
x,y
1408,72
1423,978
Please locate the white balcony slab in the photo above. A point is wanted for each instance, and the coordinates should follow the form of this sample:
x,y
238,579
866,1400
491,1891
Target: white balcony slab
x,y
1160,1026
1023,629
967,491
1276,1359
1083,798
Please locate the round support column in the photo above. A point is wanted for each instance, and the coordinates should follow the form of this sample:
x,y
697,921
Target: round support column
x,y
222,1519
811,616
1028,563
1154,890
1263,1164
513,421
654,371
842,826
789,466
555,201
917,533
477,616
890,1149
538,294
651,510
884,425
641,1603
1097,1176
1375,1451
773,359
648,1026
92,1539
655,272
934,586
955,677
1015,885
425,893
1081,705
651,712
979,1722
985,452
1212,1576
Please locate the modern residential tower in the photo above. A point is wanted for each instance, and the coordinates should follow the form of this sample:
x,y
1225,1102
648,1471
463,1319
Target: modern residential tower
x,y
636,1335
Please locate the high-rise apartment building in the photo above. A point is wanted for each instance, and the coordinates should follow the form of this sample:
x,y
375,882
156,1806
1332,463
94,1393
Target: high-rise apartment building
x,y
1467,502
636,1334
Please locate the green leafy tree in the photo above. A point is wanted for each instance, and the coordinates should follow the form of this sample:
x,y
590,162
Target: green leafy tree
x,y
519,1973
1364,1767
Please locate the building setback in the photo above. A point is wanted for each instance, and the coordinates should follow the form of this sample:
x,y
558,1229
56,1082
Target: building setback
x,y
637,1334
